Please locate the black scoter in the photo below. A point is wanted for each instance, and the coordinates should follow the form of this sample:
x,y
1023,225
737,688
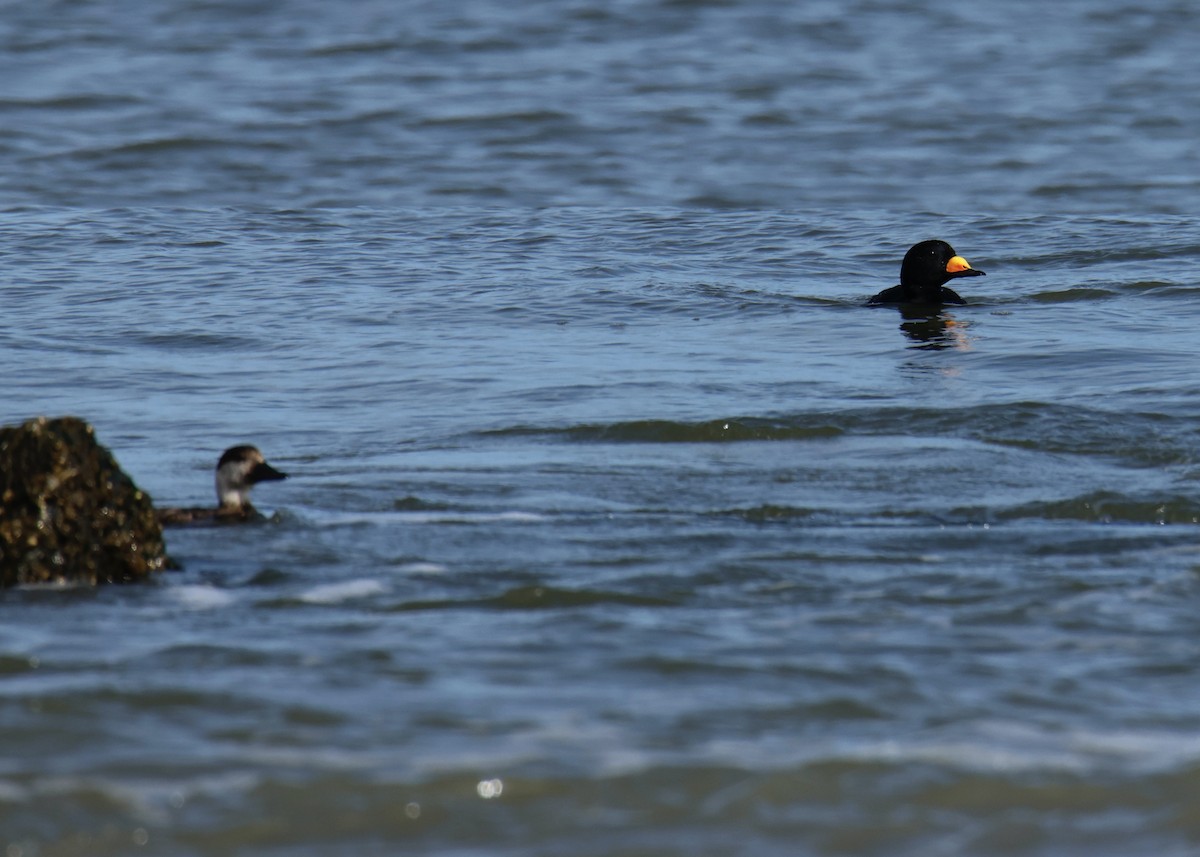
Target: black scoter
x,y
926,268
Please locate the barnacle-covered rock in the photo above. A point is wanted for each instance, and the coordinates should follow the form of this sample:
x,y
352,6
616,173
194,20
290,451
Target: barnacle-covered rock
x,y
68,513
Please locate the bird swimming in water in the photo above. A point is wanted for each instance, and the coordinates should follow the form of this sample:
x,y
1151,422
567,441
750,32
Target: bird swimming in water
x,y
240,468
926,269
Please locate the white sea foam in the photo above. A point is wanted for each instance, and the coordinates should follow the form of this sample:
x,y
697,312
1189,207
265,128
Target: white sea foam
x,y
473,517
421,568
333,593
998,748
200,597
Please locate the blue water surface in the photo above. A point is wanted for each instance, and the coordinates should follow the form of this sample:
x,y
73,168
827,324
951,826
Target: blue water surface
x,y
616,523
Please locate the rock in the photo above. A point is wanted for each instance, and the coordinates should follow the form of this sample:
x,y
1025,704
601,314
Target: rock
x,y
68,513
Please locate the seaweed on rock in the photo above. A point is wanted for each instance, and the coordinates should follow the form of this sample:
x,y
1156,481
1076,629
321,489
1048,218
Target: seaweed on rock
x,y
68,513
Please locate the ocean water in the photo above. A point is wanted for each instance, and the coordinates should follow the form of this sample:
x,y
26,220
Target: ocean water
x,y
616,525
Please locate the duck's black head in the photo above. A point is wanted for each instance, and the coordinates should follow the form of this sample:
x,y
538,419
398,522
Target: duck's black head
x,y
930,265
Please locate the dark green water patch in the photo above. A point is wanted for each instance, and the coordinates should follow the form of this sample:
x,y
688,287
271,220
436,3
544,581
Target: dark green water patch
x,y
1105,506
671,431
541,598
